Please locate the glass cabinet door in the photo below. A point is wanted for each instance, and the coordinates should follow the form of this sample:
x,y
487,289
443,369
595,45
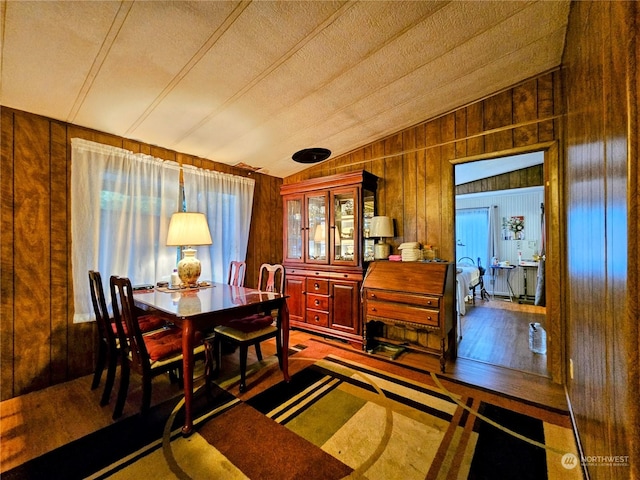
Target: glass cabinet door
x,y
345,238
369,210
294,231
317,229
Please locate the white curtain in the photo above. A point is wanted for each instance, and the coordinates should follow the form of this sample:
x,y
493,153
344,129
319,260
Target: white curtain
x,y
121,204
477,231
227,202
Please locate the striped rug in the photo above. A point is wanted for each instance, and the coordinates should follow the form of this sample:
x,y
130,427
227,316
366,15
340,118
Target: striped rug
x,y
349,415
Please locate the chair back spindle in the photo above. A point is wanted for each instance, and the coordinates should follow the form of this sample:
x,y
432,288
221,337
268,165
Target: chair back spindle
x,y
237,272
271,278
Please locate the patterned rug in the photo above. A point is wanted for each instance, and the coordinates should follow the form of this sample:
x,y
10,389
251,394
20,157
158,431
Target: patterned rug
x,y
344,414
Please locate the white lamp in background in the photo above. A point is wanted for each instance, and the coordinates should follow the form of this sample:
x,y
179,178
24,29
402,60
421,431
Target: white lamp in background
x,y
188,229
381,227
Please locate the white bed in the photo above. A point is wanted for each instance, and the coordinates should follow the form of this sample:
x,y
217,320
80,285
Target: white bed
x,y
467,277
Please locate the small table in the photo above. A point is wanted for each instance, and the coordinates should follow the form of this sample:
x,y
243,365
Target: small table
x,y
526,265
205,308
508,269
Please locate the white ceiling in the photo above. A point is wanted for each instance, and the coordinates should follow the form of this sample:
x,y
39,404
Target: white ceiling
x,y
254,82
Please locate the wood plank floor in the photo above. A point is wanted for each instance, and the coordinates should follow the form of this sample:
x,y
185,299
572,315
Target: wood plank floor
x,y
36,423
497,332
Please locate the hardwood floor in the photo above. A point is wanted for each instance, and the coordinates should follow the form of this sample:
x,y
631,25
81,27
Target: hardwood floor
x,y
33,424
497,332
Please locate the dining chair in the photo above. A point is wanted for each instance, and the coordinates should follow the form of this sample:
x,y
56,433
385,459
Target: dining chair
x,y
108,341
236,276
148,355
252,330
237,272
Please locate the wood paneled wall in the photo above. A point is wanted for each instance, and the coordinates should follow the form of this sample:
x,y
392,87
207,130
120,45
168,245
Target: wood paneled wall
x,y
523,178
417,180
39,343
602,277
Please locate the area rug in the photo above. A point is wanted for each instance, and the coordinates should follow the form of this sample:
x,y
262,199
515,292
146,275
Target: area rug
x,y
344,414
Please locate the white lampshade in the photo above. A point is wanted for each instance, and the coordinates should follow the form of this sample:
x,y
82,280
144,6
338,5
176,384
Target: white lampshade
x,y
188,228
381,227
319,237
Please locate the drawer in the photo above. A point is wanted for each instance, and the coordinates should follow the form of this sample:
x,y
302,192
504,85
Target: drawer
x,y
318,285
400,297
318,302
407,313
318,318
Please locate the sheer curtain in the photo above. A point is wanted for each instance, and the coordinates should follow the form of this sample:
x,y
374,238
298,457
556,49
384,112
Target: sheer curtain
x,y
227,201
477,231
121,204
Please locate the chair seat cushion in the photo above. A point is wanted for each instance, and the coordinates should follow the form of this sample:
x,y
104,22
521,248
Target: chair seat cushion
x,y
241,336
250,323
164,344
148,323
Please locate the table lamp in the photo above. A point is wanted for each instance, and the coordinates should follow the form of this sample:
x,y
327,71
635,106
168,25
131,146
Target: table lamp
x,y
381,227
188,229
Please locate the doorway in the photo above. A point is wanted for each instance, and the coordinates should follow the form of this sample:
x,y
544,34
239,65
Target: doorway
x,y
500,230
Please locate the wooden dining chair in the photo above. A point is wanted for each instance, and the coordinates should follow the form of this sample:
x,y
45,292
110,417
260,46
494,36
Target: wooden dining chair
x,y
108,341
237,272
148,355
252,330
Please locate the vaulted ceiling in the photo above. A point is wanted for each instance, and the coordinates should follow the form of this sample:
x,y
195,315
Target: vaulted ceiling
x,y
254,82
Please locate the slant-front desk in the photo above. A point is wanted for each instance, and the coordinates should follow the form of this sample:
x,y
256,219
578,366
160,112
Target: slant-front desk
x,y
204,308
410,305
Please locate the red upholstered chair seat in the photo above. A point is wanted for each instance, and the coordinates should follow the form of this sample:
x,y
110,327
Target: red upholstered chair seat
x,y
148,323
251,323
165,343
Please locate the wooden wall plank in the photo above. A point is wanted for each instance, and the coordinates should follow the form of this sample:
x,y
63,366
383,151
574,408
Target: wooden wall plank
x,y
7,291
60,279
410,187
498,112
32,256
525,109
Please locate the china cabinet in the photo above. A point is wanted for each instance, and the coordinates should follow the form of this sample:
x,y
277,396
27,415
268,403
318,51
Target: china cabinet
x,y
326,251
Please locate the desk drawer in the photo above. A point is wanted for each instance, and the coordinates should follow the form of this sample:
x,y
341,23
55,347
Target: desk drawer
x,y
407,313
408,298
315,317
318,285
318,302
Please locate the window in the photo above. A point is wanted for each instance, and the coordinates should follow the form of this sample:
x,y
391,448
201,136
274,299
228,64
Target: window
x,y
121,206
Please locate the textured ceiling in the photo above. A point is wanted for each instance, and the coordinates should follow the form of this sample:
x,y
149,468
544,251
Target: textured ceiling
x,y
254,82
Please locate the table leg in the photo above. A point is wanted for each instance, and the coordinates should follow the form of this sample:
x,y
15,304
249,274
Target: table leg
x,y
187,374
284,316
511,292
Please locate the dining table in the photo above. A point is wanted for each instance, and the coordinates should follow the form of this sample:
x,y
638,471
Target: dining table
x,y
202,309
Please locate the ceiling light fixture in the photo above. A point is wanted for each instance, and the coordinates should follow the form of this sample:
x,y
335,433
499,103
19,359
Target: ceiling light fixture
x,y
311,155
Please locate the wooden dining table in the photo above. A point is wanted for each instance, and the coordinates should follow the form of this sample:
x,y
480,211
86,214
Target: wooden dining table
x,y
202,309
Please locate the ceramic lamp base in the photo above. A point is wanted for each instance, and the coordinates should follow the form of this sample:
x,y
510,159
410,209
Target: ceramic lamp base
x,y
189,268
382,251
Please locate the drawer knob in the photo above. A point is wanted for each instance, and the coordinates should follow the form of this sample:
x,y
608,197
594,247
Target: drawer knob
x,y
317,302
316,318
428,318
316,286
373,309
373,295
428,302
